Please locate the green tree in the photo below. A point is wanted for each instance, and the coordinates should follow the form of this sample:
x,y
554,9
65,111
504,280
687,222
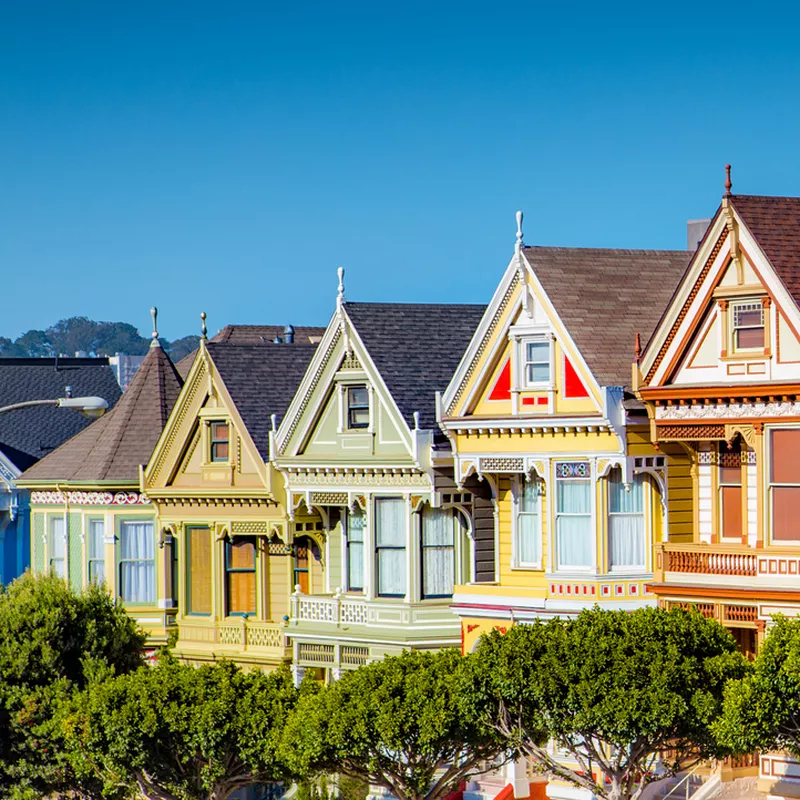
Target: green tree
x,y
34,344
400,723
630,696
180,348
52,643
762,710
177,732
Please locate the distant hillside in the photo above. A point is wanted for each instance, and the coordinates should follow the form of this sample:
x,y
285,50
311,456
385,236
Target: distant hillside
x,y
69,336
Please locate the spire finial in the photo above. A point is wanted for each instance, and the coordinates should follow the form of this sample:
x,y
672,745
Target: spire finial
x,y
728,184
154,315
340,290
637,348
519,229
203,329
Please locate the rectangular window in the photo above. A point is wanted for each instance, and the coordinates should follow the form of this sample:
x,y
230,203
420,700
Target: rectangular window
x,y
390,546
240,575
626,529
537,361
58,547
785,483
95,548
748,325
573,515
529,523
137,564
357,407
220,437
198,578
302,546
355,550
730,490
438,552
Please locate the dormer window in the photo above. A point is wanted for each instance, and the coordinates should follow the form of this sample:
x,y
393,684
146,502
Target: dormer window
x,y
220,437
748,325
357,407
536,354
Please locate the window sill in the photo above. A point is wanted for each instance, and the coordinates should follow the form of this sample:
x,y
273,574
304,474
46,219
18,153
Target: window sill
x,y
745,355
527,567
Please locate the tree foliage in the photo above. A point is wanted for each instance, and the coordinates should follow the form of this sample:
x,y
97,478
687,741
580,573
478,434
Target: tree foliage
x,y
762,710
177,732
630,696
53,642
401,723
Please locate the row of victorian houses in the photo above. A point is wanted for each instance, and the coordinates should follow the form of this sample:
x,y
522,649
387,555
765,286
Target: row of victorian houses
x,y
616,427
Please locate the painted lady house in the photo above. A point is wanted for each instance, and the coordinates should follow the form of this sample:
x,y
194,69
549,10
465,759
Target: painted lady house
x,y
220,503
721,379
90,519
380,534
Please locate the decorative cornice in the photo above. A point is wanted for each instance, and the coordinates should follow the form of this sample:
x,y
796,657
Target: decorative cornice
x,y
728,411
481,426
89,498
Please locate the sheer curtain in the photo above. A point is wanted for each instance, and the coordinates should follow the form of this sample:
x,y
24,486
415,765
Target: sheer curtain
x,y
355,550
58,547
574,523
97,564
529,522
438,557
137,568
390,544
626,539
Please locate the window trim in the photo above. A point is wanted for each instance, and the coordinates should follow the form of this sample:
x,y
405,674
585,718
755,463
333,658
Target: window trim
x,y
379,547
52,518
592,515
524,341
101,558
517,489
771,484
347,515
120,561
240,570
350,407
187,570
732,306
212,441
453,548
646,515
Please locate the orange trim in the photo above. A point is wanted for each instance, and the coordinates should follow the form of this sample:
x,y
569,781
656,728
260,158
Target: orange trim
x,y
724,391
506,793
699,346
731,592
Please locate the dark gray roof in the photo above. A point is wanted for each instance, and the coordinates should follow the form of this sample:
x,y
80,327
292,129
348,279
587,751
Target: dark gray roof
x,y
262,380
416,348
29,434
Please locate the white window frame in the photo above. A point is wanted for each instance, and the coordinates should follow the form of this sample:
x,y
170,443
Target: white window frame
x,y
772,484
524,341
557,514
646,515
92,559
51,535
347,544
517,491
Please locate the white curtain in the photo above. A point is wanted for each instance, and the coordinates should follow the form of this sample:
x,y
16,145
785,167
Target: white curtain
x,y
97,564
529,522
137,568
438,574
574,523
58,547
390,541
355,550
626,533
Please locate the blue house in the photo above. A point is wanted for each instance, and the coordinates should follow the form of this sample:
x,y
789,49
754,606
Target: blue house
x,y
27,435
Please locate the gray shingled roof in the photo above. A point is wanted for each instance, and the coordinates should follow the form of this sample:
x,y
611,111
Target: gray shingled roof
x,y
261,380
29,434
113,447
416,348
605,297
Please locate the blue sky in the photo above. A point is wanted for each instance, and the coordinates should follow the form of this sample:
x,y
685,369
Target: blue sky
x,y
227,157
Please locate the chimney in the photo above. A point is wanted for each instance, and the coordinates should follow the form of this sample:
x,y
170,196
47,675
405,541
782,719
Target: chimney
x,y
695,231
288,334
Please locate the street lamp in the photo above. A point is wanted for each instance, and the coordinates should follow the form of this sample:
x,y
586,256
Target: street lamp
x,y
88,406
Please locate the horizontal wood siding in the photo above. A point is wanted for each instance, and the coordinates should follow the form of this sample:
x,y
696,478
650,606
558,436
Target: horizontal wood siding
x,y
680,494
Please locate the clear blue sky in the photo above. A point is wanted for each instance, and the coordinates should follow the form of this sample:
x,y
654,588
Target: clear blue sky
x,y
227,157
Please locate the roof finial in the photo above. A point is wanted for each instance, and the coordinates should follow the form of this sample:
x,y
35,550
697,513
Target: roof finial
x,y
519,230
154,315
340,290
203,329
637,348
728,184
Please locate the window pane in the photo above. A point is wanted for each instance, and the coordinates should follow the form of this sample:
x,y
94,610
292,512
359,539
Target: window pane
x,y
574,541
785,455
392,572
437,571
358,396
538,351
241,554
437,526
241,592
528,538
95,544
622,500
750,337
57,538
390,521
626,540
355,566
219,431
97,571
574,497
199,577
785,513
538,373
748,316
137,573
529,496
731,511
359,418
355,526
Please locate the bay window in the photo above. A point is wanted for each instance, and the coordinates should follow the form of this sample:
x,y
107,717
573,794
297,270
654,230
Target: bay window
x,y
438,552
626,525
198,579
784,485
574,529
355,550
528,523
240,576
390,546
137,565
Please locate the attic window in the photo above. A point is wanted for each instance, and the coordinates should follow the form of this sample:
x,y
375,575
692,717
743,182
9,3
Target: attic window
x,y
536,353
748,325
357,407
219,441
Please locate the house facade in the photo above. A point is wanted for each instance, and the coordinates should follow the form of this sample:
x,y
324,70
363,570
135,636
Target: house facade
x,y
380,532
721,379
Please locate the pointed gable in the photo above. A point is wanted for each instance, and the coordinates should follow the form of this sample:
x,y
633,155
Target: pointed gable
x,y
113,447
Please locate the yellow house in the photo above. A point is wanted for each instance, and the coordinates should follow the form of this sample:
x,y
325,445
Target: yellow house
x,y
540,410
220,504
721,379
91,521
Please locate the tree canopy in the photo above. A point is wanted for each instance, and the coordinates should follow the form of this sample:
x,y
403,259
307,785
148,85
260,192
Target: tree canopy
x,y
53,642
401,723
630,697
177,732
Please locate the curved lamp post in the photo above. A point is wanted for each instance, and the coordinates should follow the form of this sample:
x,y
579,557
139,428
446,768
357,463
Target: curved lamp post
x,y
88,406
